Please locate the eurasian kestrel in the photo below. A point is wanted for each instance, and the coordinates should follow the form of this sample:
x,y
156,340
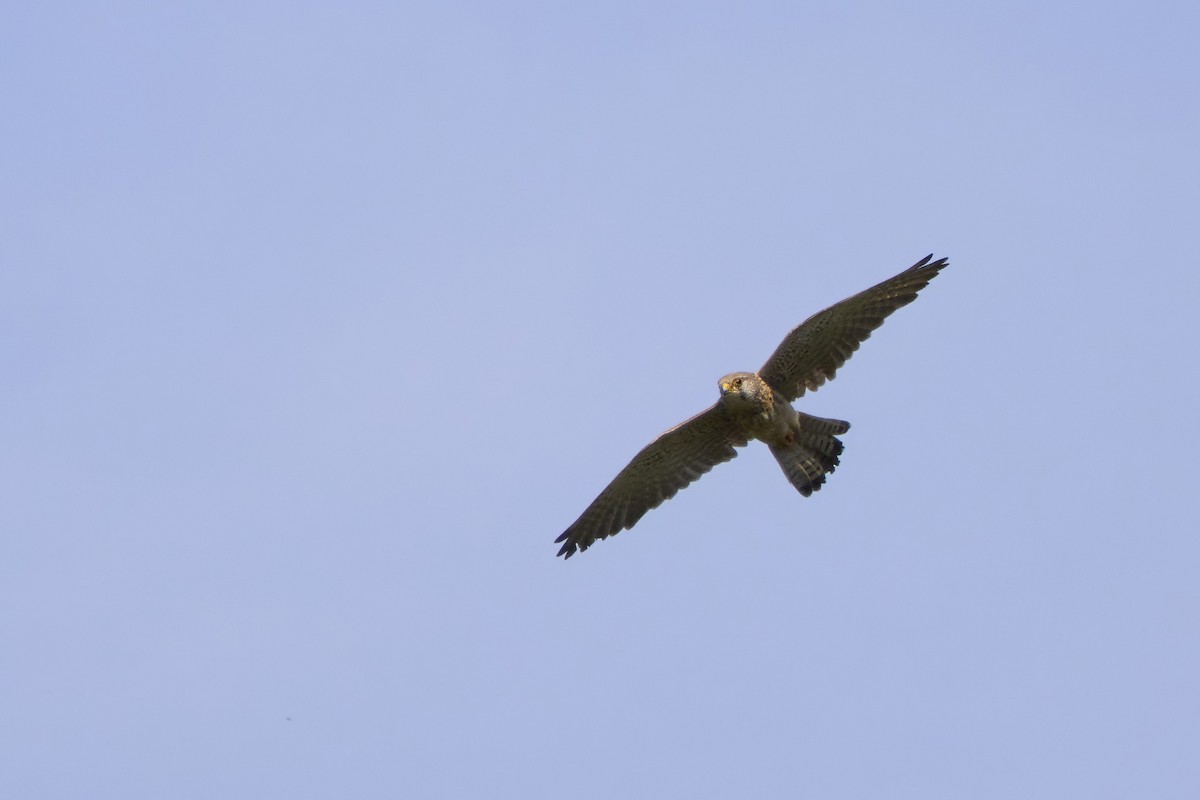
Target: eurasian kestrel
x,y
755,406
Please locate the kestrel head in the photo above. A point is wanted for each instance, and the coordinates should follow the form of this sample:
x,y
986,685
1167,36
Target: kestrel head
x,y
744,390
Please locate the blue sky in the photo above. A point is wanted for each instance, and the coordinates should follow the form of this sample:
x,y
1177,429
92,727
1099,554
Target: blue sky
x,y
320,322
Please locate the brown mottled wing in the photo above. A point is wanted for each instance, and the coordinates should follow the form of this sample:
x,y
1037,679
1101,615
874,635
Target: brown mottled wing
x,y
812,353
662,468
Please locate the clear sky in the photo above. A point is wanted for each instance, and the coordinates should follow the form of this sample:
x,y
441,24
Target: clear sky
x,y
319,322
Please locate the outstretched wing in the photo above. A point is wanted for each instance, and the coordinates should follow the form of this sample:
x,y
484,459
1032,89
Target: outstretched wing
x,y
812,353
662,468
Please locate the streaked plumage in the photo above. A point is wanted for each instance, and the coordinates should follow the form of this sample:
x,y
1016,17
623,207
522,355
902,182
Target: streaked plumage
x,y
755,406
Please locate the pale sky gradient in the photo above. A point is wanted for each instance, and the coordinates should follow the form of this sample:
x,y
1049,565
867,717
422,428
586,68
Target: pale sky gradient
x,y
321,321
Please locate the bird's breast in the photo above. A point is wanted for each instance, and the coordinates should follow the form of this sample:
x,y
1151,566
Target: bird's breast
x,y
763,417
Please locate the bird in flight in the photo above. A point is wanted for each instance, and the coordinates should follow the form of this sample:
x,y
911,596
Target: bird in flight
x,y
755,405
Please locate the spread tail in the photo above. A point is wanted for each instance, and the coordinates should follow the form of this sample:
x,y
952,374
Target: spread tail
x,y
813,455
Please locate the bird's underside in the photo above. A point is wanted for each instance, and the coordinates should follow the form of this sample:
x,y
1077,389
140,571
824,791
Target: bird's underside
x,y
755,406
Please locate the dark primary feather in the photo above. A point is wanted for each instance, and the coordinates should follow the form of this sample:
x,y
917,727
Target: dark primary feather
x,y
669,463
812,353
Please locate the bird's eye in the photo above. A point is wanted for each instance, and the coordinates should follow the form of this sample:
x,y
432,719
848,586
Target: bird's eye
x,y
737,383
